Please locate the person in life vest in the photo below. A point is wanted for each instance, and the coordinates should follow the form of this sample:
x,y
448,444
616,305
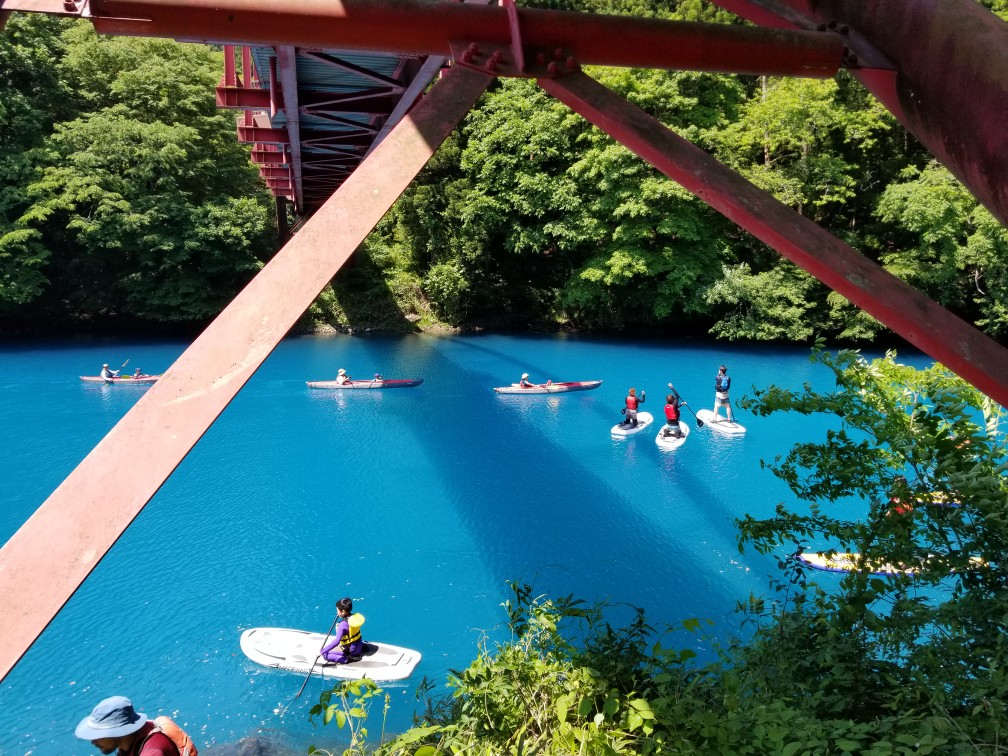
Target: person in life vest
x,y
632,403
524,382
345,644
721,385
107,374
342,377
672,404
114,726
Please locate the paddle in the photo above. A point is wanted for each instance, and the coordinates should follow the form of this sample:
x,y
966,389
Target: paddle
x,y
699,422
337,619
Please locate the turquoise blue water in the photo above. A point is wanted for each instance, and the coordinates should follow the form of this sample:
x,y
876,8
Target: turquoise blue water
x,y
418,503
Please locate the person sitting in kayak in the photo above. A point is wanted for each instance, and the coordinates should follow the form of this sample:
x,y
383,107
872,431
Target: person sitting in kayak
x,y
345,644
107,374
524,382
138,373
342,377
630,411
672,404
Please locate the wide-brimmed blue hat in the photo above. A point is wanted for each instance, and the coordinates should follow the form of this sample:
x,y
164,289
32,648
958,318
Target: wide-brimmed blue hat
x,y
112,718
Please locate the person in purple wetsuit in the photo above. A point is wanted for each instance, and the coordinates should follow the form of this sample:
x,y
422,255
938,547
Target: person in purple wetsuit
x,y
345,644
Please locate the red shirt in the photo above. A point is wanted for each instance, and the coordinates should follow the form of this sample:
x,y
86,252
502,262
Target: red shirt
x,y
157,744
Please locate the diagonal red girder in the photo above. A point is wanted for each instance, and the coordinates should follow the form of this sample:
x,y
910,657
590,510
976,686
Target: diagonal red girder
x,y
77,525
959,346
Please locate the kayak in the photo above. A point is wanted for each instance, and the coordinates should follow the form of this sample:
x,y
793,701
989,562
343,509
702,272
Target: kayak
x,y
126,379
624,429
381,383
671,442
719,424
297,651
844,561
550,387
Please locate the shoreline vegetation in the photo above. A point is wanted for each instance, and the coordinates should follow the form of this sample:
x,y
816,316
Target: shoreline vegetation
x,y
126,204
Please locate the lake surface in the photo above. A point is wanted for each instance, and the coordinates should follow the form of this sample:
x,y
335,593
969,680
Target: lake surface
x,y
418,503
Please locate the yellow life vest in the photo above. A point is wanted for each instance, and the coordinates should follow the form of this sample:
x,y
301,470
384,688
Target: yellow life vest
x,y
353,633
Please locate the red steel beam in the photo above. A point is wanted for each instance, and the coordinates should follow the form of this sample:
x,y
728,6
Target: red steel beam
x,y
241,98
950,86
76,526
263,135
959,346
416,27
286,73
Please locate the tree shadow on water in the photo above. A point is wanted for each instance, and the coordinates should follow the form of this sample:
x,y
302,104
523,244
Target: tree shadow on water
x,y
359,299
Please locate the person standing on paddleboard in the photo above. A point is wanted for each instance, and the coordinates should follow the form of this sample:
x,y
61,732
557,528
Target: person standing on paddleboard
x,y
630,411
672,414
721,385
345,644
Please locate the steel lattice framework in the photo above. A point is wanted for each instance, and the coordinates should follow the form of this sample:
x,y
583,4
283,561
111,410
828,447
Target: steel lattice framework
x,y
940,66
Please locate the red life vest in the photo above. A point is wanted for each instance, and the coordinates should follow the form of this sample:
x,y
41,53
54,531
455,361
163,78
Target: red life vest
x,y
631,402
672,413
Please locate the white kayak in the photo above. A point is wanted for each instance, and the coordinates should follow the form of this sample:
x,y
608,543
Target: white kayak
x,y
297,651
672,442
624,429
719,424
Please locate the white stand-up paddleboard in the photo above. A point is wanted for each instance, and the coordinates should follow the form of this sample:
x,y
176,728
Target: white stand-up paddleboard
x,y
719,424
624,429
297,651
672,442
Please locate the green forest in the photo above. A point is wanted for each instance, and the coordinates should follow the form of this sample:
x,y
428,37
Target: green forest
x,y
127,202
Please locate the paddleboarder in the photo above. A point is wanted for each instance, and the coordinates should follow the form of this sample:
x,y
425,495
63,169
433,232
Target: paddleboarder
x,y
345,644
672,414
721,385
630,410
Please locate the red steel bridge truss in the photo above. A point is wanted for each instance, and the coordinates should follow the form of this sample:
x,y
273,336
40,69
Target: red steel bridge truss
x,y
335,101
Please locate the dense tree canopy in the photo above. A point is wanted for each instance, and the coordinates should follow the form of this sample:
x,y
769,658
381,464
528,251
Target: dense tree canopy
x,y
124,192
134,198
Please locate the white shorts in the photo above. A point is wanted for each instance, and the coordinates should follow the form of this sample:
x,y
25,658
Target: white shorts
x,y
721,397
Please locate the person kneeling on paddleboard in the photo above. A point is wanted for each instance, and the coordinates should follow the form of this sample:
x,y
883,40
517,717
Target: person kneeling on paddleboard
x,y
672,404
630,411
345,645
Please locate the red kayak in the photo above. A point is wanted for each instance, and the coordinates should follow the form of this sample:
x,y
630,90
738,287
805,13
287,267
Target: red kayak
x,y
121,380
549,387
377,383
